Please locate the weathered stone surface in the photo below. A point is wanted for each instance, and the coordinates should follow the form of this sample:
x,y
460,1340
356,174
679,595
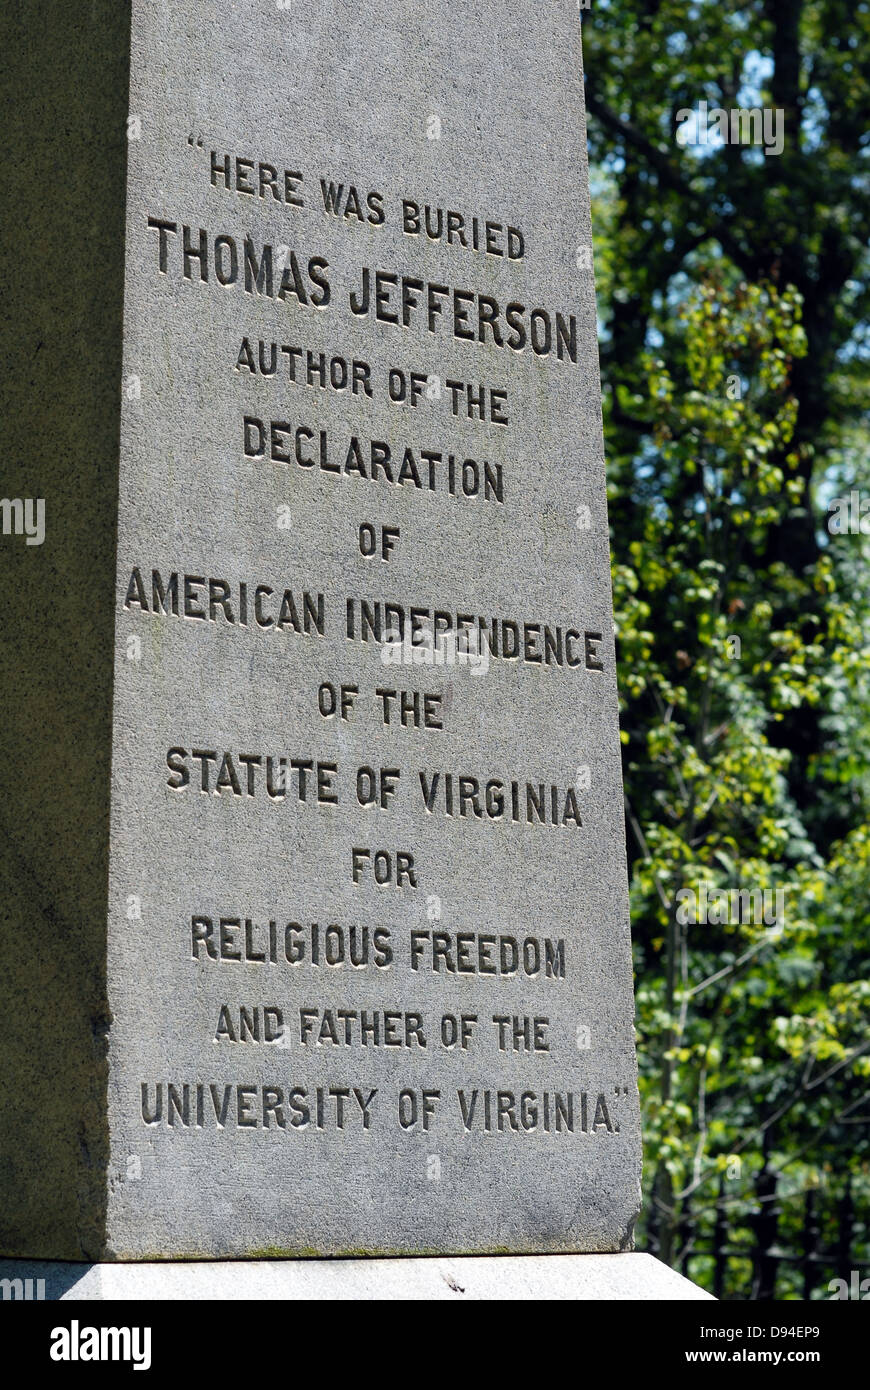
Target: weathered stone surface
x,y
65,75
329,1026
601,1278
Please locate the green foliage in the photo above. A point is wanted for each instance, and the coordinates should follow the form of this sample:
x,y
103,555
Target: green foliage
x,y
733,292
732,288
753,1037
799,219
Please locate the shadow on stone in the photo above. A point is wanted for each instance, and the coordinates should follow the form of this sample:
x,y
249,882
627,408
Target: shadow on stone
x,y
66,82
39,1280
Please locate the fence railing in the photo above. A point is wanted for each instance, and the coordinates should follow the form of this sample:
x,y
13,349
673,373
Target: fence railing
x,y
765,1243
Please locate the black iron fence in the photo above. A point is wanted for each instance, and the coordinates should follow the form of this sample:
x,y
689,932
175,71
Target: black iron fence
x,y
767,1240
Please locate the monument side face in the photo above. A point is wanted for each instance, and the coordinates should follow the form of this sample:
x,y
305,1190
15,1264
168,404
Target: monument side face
x,y
63,97
369,960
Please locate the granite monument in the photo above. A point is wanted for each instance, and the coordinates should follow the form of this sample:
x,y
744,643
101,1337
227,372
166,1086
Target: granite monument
x,y
314,881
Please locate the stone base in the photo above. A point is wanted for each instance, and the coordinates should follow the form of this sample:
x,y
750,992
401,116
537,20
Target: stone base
x,y
604,1278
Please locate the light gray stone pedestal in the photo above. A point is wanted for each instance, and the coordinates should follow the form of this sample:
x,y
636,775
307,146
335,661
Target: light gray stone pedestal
x,y
313,869
604,1278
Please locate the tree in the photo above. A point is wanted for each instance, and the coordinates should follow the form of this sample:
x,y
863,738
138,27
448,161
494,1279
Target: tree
x,y
754,1044
799,220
